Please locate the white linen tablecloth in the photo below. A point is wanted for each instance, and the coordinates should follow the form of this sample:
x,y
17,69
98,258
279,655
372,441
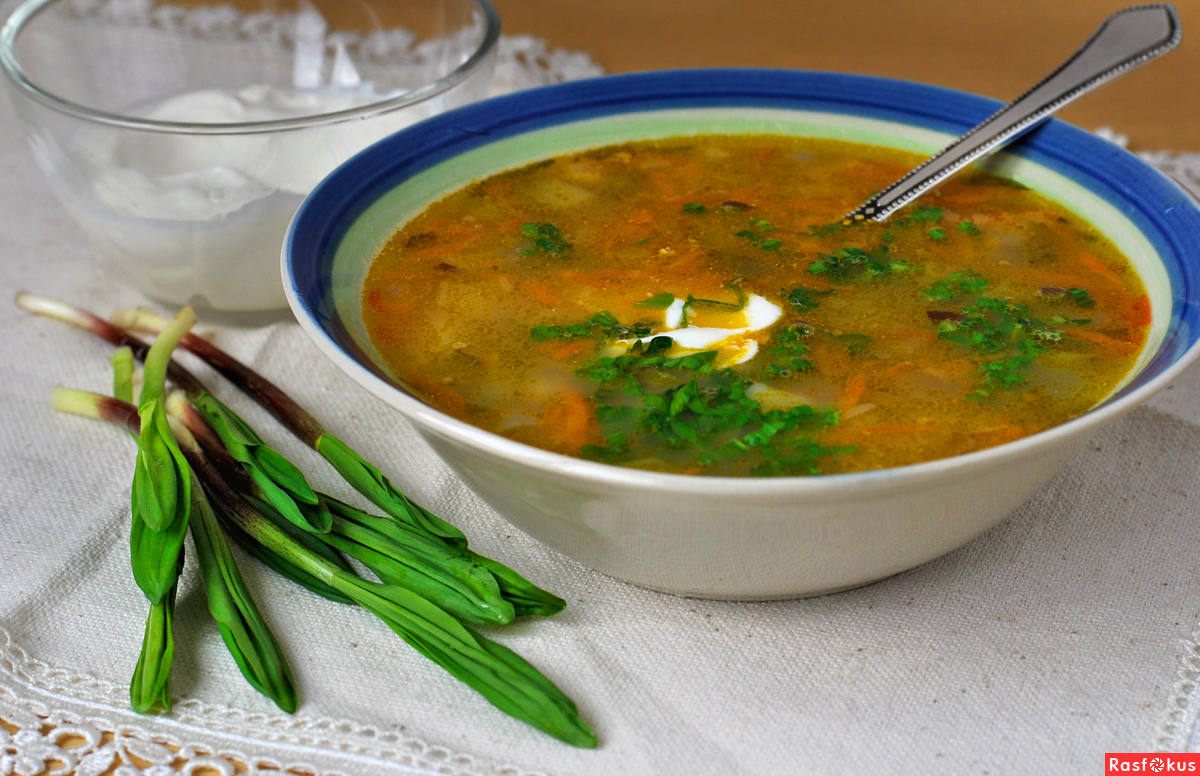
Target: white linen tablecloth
x,y
1067,631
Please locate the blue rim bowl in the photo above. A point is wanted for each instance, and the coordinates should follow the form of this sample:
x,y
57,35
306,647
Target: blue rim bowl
x,y
599,513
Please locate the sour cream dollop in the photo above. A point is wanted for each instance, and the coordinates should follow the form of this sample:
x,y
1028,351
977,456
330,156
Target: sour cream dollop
x,y
733,345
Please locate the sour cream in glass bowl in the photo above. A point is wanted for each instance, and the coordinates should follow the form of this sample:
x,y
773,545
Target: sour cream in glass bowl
x,y
183,137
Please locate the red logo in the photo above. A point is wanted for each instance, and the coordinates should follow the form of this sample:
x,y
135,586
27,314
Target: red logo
x,y
1165,763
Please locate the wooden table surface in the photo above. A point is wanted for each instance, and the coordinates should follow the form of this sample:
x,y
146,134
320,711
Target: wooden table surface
x,y
992,48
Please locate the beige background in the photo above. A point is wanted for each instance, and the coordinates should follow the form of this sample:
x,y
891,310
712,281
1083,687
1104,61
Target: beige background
x,y
992,48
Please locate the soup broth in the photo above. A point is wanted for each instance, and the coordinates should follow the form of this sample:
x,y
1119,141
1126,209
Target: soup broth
x,y
686,305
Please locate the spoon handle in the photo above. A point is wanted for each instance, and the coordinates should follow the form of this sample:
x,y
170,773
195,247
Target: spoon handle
x,y
1125,40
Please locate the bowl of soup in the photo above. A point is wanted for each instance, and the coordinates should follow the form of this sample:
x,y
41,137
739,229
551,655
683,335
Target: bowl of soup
x,y
628,314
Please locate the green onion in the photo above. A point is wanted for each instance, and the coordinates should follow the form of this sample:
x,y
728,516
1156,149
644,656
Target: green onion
x,y
277,479
161,491
243,629
150,688
411,560
497,673
399,555
356,470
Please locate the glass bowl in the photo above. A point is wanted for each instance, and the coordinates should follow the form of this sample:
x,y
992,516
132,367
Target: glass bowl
x,y
728,537
183,136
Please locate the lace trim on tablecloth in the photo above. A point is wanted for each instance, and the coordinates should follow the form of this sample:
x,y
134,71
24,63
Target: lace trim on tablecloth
x,y
55,721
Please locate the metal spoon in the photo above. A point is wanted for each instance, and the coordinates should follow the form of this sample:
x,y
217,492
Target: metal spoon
x,y
1125,40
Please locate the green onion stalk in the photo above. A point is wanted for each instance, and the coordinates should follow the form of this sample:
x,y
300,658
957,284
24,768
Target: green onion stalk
x,y
362,475
225,436
150,687
161,507
500,675
242,627
280,481
397,553
497,673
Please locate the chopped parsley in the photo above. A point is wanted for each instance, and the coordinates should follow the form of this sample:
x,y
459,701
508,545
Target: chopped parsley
x,y
662,300
758,235
545,238
647,399
602,325
788,352
695,208
711,417
936,233
995,327
956,284
847,264
825,230
1081,297
966,227
857,344
804,299
924,213
734,285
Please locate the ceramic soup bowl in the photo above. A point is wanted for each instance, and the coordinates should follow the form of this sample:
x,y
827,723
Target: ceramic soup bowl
x,y
724,537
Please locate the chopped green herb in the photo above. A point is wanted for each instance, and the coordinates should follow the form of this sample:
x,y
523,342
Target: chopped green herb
x,y
694,208
937,233
711,416
995,326
1058,320
847,264
1081,297
645,240
602,325
788,351
804,299
546,238
734,285
856,344
966,227
956,284
615,446
925,213
757,235
825,230
658,300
